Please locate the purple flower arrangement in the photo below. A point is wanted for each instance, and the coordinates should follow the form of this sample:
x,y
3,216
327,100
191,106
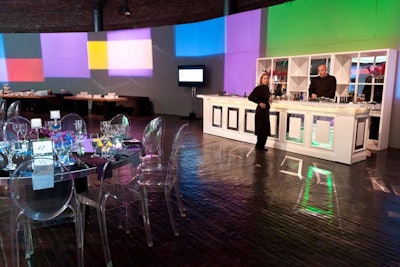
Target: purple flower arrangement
x,y
59,136
43,133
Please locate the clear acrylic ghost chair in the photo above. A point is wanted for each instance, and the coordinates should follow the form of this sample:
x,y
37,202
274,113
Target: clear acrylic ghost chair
x,y
14,109
163,180
124,120
152,141
68,122
31,202
98,199
3,110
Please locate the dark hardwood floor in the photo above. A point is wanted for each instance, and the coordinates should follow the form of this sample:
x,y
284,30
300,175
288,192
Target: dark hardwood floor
x,y
247,209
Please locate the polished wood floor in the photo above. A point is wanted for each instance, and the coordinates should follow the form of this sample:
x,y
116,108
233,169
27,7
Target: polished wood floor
x,y
248,209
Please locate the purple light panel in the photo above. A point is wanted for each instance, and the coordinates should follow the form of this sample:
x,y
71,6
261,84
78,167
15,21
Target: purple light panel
x,y
3,66
65,55
130,53
242,51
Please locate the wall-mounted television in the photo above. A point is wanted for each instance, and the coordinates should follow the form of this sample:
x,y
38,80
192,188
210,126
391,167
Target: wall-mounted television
x,y
191,75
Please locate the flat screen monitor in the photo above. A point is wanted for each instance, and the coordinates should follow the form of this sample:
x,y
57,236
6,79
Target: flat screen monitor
x,y
191,75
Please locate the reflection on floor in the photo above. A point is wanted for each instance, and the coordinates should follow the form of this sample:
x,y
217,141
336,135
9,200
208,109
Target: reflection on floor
x,y
249,209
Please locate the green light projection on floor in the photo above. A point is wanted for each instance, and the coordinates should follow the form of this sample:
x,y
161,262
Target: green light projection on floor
x,y
306,195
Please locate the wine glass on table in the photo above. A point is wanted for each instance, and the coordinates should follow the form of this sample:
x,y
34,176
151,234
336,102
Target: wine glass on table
x,y
79,128
105,127
9,150
94,141
79,135
16,129
105,139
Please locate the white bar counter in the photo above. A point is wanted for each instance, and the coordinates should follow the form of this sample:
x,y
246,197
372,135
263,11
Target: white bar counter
x,y
331,131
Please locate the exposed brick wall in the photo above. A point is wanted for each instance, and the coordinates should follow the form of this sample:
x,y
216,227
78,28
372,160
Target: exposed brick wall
x,y
76,15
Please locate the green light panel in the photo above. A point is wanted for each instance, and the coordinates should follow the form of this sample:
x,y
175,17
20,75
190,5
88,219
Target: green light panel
x,y
315,26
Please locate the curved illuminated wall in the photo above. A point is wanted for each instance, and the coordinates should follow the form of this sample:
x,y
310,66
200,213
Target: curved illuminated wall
x,y
143,62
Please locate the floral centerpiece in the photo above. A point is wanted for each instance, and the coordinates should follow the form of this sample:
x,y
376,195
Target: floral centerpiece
x,y
63,143
44,133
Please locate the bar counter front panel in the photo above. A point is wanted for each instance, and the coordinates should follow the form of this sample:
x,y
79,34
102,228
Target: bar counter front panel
x,y
331,131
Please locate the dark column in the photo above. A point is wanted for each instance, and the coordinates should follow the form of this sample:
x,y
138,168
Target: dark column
x,y
229,7
98,15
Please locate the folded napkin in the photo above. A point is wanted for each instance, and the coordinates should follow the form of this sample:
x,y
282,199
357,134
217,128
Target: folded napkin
x,y
99,163
43,176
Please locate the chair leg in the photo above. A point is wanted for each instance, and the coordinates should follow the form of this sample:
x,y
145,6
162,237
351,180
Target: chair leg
x,y
79,230
101,218
14,240
28,238
127,231
179,200
146,218
170,212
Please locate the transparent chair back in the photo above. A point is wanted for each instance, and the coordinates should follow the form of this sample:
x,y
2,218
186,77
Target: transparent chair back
x,y
3,110
10,132
14,109
163,180
68,122
152,141
124,120
42,192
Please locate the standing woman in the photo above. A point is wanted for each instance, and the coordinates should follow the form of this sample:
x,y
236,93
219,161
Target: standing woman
x,y
260,96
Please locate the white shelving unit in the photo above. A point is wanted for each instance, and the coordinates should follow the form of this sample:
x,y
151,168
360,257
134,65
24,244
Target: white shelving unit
x,y
369,74
278,68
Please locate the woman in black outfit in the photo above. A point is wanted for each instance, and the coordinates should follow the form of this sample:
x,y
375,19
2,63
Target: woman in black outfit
x,y
260,96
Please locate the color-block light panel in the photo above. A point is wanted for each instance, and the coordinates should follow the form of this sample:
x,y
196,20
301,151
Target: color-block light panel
x,y
65,55
3,66
22,58
130,53
25,69
97,51
201,38
242,50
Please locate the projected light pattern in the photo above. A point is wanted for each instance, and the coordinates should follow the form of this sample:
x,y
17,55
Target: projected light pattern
x,y
292,31
3,66
22,58
200,39
398,80
316,208
25,70
130,53
65,55
72,55
237,37
98,57
242,51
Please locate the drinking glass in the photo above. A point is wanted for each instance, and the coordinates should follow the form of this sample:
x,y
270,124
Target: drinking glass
x,y
48,125
78,127
16,128
23,128
105,127
59,149
105,139
9,150
94,140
